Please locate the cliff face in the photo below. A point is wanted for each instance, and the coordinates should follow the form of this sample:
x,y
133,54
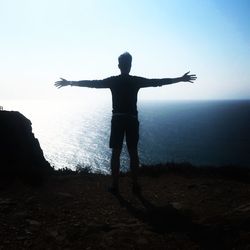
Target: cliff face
x,y
20,153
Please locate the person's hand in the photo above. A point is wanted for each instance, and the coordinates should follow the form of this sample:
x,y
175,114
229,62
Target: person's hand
x,y
62,83
188,78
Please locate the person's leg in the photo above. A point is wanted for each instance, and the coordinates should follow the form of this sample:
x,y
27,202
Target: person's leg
x,y
115,167
116,141
134,164
132,138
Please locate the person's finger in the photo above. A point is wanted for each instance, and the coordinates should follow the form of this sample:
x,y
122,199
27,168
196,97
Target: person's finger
x,y
187,73
58,85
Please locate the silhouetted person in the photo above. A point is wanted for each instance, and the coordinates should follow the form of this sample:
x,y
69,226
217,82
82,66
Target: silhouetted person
x,y
124,89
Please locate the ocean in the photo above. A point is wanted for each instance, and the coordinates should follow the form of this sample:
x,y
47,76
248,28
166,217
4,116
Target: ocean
x,y
73,133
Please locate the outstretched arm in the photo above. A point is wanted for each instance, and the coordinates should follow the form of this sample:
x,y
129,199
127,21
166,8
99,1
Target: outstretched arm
x,y
165,81
84,83
185,78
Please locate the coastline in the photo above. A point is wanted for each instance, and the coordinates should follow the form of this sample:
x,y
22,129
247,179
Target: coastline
x,y
199,132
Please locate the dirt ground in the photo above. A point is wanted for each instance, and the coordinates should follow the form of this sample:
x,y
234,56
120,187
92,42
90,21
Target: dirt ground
x,y
174,211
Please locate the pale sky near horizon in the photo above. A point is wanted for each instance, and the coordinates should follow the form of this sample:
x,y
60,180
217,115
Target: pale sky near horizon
x,y
43,40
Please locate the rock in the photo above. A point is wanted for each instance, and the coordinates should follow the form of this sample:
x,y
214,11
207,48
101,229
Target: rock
x,y
6,205
21,238
34,222
53,233
142,241
30,200
191,186
65,195
176,205
20,152
20,214
6,202
243,208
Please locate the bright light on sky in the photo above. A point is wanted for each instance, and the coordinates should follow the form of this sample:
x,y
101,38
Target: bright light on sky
x,y
42,40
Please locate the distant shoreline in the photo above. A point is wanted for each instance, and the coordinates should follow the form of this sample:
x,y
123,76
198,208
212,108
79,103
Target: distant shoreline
x,y
202,132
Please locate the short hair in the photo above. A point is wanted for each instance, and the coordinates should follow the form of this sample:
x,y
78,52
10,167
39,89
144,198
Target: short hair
x,y
125,58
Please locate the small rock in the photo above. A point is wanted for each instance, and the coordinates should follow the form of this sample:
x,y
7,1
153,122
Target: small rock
x,y
65,195
243,208
30,200
142,241
60,238
53,233
192,186
6,202
28,232
21,214
176,205
34,222
21,237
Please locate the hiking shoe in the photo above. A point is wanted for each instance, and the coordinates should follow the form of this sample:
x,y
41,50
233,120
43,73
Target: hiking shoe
x,y
136,189
113,190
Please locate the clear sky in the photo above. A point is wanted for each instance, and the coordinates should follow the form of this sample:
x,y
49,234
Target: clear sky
x,y
42,40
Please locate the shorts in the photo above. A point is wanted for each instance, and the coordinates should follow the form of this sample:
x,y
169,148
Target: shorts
x,y
124,125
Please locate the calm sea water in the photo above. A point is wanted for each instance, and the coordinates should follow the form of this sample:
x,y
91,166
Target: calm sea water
x,y
199,132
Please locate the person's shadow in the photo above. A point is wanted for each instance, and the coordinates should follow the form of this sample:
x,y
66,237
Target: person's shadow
x,y
161,219
167,219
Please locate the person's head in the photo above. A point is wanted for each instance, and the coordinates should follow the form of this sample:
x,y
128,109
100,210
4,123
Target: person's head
x,y
125,61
